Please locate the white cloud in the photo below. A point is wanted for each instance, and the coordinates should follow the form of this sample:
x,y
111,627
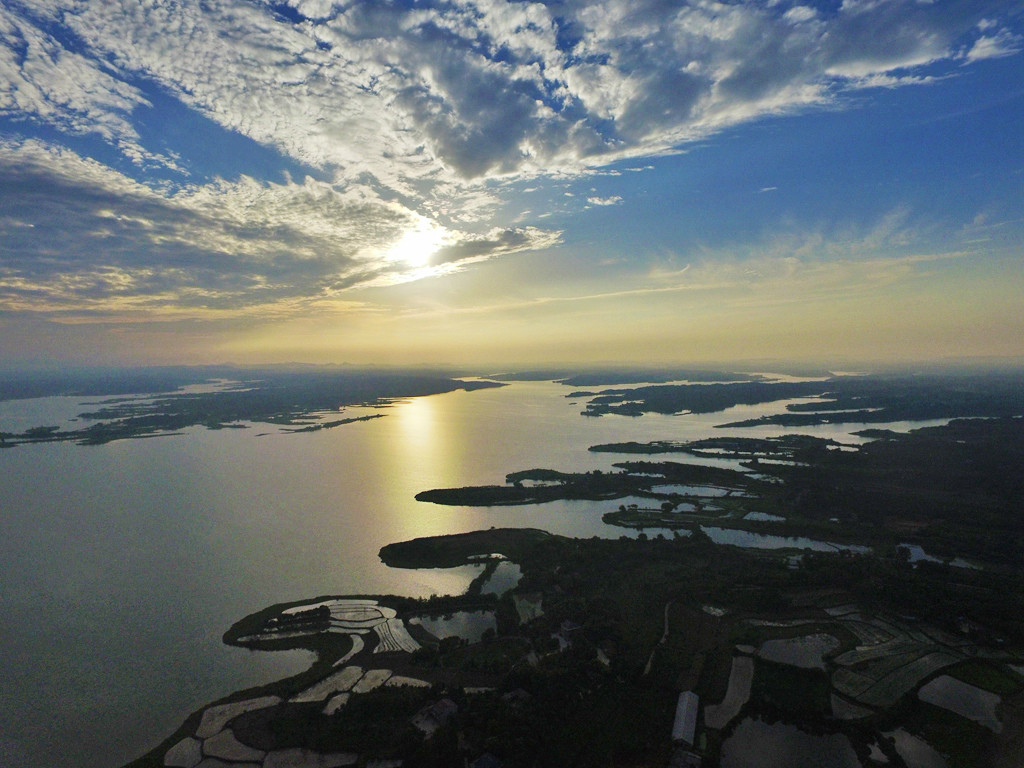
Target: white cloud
x,y
79,234
613,200
426,99
799,13
1002,43
421,112
41,79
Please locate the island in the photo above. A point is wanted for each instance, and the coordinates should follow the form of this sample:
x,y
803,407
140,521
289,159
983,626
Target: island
x,y
305,399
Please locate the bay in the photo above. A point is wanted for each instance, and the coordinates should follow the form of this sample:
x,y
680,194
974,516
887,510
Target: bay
x,y
121,565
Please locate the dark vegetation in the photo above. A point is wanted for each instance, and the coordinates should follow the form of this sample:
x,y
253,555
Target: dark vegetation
x,y
695,398
459,549
957,489
877,399
654,375
584,485
784,690
378,721
783,447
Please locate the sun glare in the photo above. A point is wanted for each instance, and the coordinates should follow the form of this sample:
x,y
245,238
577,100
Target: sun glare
x,y
417,245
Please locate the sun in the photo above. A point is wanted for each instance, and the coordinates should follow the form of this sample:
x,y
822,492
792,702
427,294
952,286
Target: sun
x,y
417,245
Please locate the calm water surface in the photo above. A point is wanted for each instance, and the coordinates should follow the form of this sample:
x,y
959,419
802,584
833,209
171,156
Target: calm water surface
x,y
121,565
469,625
757,744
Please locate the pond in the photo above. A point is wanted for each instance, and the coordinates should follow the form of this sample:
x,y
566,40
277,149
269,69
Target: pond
x,y
807,652
505,577
917,554
757,744
739,538
469,625
846,710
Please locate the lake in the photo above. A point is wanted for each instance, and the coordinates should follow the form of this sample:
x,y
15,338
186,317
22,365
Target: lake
x,y
121,565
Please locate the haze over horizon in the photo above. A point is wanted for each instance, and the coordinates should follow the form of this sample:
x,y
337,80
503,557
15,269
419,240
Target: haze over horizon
x,y
423,182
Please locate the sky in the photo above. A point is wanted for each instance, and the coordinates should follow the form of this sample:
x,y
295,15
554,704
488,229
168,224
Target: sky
x,y
478,181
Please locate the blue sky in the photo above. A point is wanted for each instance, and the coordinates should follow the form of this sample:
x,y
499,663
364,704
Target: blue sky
x,y
407,182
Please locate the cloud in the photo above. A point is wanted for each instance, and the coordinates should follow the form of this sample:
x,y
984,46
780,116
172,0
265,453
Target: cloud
x,y
613,200
429,97
409,112
43,80
79,235
992,46
496,242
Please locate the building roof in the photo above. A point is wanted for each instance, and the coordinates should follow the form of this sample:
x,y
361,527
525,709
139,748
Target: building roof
x,y
685,726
